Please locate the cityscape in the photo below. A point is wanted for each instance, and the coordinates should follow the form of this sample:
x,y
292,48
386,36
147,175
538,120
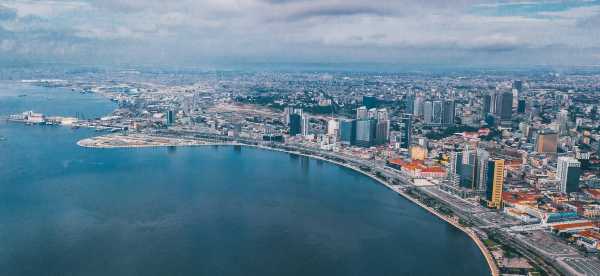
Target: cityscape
x,y
256,166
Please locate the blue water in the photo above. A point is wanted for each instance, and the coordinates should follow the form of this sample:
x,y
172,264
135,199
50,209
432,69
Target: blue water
x,y
67,210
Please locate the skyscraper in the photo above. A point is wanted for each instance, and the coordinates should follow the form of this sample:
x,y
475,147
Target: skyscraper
x,y
348,132
521,106
567,172
483,157
170,117
449,112
494,183
418,106
365,132
362,113
487,104
428,112
409,103
295,124
333,128
506,104
406,131
563,122
305,125
438,111
455,167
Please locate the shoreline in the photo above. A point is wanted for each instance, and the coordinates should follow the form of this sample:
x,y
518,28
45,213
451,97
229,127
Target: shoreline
x,y
494,271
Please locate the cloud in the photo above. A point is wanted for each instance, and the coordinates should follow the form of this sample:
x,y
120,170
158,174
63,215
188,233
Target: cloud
x,y
189,31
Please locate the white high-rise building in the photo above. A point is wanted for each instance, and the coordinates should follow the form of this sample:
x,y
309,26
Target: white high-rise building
x,y
305,125
563,122
333,128
568,171
362,113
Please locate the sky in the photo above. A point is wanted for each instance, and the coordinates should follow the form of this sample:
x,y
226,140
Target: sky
x,y
188,32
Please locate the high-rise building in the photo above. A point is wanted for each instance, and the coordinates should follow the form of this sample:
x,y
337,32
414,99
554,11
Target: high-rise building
x,y
567,172
409,103
506,103
494,183
469,169
438,111
483,157
295,124
455,167
305,125
487,104
365,132
428,112
546,141
563,122
348,132
333,128
521,106
362,113
406,131
449,112
170,117
418,106
382,132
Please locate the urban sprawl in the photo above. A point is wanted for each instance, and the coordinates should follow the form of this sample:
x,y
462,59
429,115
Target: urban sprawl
x,y
511,158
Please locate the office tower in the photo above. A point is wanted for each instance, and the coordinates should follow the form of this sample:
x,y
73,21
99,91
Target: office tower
x,y
295,125
428,112
567,172
348,132
406,131
287,111
369,101
547,141
487,104
494,183
418,106
468,169
483,157
409,103
170,117
438,111
305,125
494,102
362,113
521,106
365,132
383,115
563,122
455,167
382,132
506,102
449,112
333,128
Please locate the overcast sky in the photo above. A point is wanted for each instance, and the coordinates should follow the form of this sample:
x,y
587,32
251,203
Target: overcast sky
x,y
191,32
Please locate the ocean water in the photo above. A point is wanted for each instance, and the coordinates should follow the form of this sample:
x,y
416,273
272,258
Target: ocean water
x,y
67,210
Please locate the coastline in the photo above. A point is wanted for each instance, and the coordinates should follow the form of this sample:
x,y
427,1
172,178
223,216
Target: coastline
x,y
494,271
